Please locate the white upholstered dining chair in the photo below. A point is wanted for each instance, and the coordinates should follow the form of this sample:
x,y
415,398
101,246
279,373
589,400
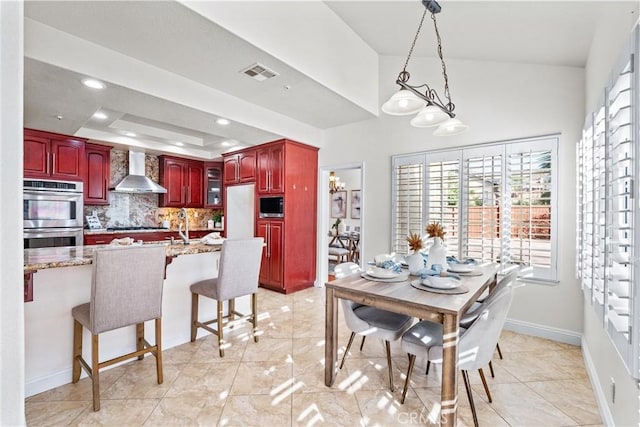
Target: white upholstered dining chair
x,y
475,348
126,289
238,275
370,321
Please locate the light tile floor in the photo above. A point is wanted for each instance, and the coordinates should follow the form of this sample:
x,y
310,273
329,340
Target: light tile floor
x,y
279,381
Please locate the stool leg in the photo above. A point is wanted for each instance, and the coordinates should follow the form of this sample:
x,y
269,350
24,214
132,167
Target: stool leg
x,y
499,351
362,343
254,317
77,350
232,308
158,352
194,316
140,338
95,373
220,328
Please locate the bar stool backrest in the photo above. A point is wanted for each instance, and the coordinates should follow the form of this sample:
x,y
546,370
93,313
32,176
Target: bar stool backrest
x,y
126,286
239,268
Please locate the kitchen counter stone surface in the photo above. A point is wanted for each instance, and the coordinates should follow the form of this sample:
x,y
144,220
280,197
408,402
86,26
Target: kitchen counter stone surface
x,y
154,230
68,256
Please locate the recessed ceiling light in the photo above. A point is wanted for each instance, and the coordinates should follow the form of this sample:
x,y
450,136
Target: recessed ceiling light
x,y
225,144
100,115
179,144
127,133
223,122
93,84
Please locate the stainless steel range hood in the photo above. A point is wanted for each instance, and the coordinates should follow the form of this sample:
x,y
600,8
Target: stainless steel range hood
x,y
136,181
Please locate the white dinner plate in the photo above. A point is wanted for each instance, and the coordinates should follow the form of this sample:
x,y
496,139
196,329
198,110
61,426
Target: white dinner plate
x,y
381,273
441,282
460,268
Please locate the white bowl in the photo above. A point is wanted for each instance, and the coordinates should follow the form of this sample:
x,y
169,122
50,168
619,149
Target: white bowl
x,y
460,268
381,273
440,282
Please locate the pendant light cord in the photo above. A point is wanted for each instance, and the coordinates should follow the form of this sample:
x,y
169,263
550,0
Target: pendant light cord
x,y
444,67
404,69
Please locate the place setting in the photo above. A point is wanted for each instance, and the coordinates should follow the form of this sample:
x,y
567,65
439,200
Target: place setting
x,y
440,285
387,275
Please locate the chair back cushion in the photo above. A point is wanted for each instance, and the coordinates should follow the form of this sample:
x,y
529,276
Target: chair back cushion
x,y
239,268
478,343
126,286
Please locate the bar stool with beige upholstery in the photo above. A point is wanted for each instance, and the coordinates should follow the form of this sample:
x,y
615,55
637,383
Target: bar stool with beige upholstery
x,y
238,276
126,289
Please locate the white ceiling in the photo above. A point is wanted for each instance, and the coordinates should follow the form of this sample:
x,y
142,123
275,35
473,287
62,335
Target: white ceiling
x,y
171,37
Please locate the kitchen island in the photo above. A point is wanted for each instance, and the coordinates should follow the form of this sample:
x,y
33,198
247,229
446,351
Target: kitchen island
x,y
61,279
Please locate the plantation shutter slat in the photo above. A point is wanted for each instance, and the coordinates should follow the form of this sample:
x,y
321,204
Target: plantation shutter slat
x,y
408,190
443,197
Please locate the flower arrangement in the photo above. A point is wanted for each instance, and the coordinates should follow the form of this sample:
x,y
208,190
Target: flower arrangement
x,y
435,230
415,241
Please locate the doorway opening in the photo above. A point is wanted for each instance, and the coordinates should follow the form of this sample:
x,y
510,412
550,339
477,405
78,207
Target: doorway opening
x,y
341,218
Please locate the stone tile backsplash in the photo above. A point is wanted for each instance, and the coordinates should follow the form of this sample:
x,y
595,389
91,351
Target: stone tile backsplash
x,y
140,210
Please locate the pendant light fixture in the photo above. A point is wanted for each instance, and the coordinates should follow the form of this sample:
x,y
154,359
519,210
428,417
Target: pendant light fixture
x,y
422,99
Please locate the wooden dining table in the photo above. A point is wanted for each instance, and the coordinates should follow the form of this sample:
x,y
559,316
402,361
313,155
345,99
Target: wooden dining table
x,y
401,297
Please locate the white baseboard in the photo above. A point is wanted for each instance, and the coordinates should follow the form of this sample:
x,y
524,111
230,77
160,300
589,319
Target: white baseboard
x,y
548,332
605,412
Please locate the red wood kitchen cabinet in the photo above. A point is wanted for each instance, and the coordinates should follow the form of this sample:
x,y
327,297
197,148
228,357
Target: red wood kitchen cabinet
x,y
239,167
270,165
213,184
183,179
97,175
271,269
289,261
53,156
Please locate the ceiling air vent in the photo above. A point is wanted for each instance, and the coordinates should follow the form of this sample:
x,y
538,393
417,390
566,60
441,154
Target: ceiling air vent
x,y
259,72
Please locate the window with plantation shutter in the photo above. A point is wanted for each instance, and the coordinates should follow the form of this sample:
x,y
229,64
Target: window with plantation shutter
x,y
620,253
531,190
607,209
496,202
483,201
443,196
408,202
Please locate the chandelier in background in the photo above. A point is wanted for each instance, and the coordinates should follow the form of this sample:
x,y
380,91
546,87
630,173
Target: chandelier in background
x,y
334,183
422,99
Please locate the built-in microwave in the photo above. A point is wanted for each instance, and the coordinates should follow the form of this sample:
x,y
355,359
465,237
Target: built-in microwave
x,y
271,207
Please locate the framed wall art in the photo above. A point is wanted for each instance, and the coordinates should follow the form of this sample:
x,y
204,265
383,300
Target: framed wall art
x,y
339,204
355,204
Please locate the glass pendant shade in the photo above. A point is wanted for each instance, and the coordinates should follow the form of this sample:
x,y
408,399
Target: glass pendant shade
x,y
450,127
429,116
403,102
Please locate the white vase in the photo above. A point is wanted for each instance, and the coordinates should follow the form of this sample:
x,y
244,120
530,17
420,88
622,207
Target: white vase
x,y
437,254
415,261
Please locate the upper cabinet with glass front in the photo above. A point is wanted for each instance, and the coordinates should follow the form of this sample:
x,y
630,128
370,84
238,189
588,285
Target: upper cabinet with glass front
x,y
213,184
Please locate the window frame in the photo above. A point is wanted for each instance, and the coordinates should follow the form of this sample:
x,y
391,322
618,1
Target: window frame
x,y
503,149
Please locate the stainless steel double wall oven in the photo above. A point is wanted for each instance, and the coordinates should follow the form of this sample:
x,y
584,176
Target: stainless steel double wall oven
x,y
52,213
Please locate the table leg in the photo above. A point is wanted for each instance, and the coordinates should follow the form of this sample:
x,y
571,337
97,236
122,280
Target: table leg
x,y
449,395
331,338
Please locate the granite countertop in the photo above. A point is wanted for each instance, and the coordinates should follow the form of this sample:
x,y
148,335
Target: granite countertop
x,y
68,256
155,230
